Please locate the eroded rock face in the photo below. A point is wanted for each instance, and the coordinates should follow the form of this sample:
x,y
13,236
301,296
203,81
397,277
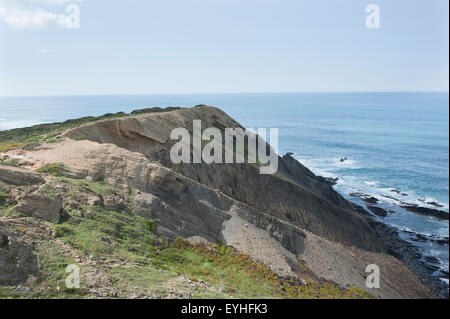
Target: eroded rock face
x,y
291,214
19,176
41,206
298,198
17,260
113,202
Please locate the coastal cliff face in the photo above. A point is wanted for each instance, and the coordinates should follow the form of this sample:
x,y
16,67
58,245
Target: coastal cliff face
x,y
291,222
304,202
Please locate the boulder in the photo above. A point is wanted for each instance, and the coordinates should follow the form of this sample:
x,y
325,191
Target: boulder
x,y
19,176
113,202
17,260
440,214
378,211
41,206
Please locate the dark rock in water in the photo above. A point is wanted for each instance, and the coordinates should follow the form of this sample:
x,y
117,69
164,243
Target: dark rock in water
x,y
367,198
405,252
426,211
421,237
432,259
399,192
390,197
331,180
378,211
370,200
442,241
431,267
444,272
435,204
356,194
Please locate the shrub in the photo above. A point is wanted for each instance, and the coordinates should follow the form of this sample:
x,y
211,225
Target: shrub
x,y
3,196
152,225
55,169
62,230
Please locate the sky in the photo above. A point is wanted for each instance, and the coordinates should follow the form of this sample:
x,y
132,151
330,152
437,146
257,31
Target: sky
x,y
217,46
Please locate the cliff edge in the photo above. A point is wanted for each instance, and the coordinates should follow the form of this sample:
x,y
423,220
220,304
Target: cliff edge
x,y
291,222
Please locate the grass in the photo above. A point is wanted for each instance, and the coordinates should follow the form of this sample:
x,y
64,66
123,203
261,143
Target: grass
x,y
3,196
49,191
55,169
12,162
99,187
154,264
155,110
9,293
48,133
7,211
51,283
53,264
128,237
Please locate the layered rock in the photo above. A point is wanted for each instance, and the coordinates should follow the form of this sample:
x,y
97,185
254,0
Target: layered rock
x,y
17,261
294,195
19,176
277,219
41,205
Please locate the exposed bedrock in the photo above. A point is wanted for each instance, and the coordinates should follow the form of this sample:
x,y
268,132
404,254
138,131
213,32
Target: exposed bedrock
x,y
19,176
283,220
17,261
440,214
294,195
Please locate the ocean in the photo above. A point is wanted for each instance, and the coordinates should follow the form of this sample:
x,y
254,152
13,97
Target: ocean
x,y
396,145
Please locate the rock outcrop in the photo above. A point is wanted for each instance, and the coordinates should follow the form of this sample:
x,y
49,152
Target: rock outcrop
x,y
19,176
278,219
41,205
17,261
295,196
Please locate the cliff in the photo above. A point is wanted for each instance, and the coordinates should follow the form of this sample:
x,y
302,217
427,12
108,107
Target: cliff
x,y
292,222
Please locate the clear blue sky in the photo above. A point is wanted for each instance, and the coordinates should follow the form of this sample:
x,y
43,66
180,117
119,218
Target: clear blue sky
x,y
199,46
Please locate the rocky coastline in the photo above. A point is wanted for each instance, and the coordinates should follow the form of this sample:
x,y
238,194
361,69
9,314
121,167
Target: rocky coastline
x,y
59,182
409,254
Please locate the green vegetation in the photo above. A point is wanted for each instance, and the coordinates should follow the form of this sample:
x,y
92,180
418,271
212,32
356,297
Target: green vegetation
x,y
48,133
12,162
9,293
7,210
55,169
155,110
138,258
49,191
54,262
153,260
3,196
140,261
98,187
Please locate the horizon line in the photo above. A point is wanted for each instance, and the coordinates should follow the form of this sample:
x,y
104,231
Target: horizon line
x,y
217,93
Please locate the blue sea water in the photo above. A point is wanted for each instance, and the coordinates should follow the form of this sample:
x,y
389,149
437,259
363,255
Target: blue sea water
x,y
391,140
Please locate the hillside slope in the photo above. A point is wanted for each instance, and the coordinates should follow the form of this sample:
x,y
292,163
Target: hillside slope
x,y
101,187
